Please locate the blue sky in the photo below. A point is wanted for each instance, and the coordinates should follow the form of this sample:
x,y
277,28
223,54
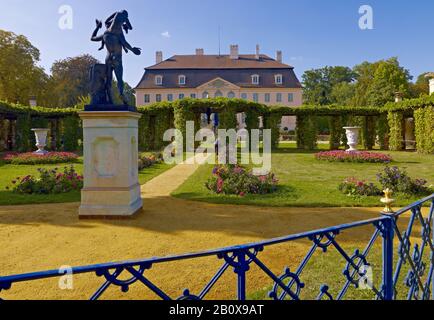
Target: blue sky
x,y
311,33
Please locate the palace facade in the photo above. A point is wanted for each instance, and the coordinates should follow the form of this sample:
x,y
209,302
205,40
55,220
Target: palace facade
x,y
256,77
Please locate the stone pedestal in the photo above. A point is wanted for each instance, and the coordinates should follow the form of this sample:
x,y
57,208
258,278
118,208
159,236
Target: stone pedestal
x,y
111,179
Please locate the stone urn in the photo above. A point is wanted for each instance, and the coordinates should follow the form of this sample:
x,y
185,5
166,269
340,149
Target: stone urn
x,y
352,137
41,140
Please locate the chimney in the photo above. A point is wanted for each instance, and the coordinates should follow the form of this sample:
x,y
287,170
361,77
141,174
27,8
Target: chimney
x,y
234,52
279,56
199,52
158,57
257,56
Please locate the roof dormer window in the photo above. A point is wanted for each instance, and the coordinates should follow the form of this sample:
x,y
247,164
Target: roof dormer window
x,y
159,80
255,79
278,79
181,80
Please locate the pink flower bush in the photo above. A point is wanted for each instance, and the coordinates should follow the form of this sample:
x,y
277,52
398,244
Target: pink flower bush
x,y
50,181
31,158
354,187
234,179
358,156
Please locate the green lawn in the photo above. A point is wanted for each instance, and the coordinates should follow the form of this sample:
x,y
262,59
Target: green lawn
x,y
306,182
10,172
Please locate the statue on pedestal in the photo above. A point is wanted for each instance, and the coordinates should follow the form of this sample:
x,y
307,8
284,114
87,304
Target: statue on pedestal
x,y
101,75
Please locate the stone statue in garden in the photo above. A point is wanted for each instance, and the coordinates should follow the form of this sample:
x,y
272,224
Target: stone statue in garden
x,y
101,75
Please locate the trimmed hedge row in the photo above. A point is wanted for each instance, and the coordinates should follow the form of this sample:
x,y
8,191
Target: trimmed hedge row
x,y
424,123
386,123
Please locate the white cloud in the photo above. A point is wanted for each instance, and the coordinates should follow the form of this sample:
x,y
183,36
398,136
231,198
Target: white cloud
x,y
165,34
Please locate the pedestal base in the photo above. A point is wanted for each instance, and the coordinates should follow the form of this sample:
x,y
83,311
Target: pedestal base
x,y
111,182
110,202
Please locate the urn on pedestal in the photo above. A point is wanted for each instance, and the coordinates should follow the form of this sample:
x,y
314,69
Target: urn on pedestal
x,y
353,134
41,140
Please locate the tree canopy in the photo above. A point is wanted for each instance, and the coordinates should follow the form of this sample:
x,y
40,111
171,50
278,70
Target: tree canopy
x,y
366,84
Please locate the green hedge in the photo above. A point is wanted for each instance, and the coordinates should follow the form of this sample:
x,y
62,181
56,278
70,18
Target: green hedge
x,y
382,130
396,133
335,125
306,132
385,122
72,133
424,123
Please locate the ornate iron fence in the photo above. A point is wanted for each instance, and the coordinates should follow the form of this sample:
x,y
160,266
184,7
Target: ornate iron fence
x,y
407,271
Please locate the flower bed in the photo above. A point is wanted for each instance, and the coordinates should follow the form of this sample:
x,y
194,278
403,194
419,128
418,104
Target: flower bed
x,y
398,180
355,187
31,158
357,156
48,182
149,161
392,178
236,180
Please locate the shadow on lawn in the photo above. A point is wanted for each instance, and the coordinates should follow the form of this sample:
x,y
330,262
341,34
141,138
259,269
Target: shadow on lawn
x,y
173,216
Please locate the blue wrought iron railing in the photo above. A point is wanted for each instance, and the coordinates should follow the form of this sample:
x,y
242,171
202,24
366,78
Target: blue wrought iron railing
x,y
407,271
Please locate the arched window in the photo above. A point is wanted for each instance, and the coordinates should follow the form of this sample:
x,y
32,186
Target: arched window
x,y
255,79
205,95
181,80
218,94
231,95
159,80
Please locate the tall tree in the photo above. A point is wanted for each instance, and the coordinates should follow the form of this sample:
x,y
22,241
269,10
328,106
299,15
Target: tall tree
x,y
378,82
318,83
20,76
71,79
420,87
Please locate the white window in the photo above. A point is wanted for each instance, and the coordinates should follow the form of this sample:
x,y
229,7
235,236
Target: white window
x,y
147,98
205,95
267,97
278,78
181,80
231,95
279,97
159,80
244,96
170,97
181,96
158,98
255,79
255,97
290,97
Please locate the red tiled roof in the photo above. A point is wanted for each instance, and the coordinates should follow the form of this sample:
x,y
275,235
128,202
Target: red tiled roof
x,y
247,61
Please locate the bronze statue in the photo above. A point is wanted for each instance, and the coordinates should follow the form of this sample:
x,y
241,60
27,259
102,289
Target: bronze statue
x,y
114,41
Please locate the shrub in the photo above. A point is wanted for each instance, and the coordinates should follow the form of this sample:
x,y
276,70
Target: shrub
x,y
354,187
236,180
49,182
398,180
358,156
149,161
31,158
